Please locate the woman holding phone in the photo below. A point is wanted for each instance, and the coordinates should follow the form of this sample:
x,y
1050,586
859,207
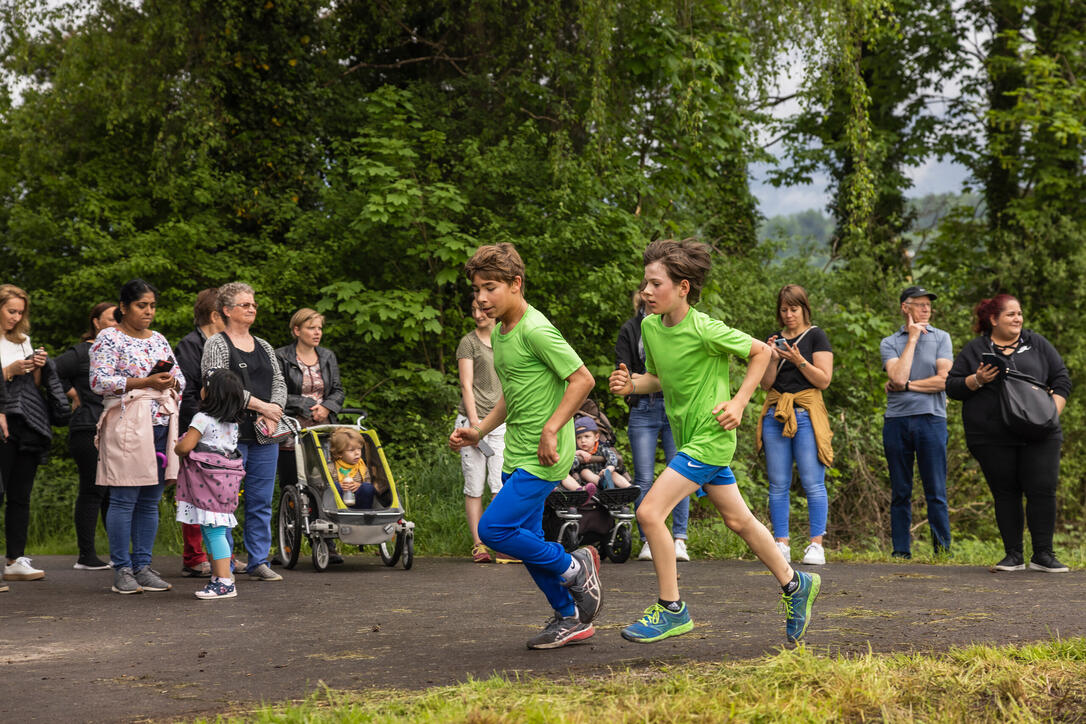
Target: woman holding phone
x,y
133,368
1012,466
28,434
794,426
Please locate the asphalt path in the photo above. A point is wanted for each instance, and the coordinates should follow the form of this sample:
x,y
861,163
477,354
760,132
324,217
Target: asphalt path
x,y
71,650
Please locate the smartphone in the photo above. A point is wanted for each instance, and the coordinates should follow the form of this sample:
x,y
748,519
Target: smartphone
x,y
163,365
781,343
995,360
485,449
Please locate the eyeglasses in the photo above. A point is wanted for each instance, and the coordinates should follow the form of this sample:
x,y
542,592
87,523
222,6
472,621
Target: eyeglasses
x,y
920,305
246,305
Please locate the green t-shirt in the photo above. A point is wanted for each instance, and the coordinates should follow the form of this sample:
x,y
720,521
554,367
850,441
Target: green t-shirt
x,y
691,360
533,362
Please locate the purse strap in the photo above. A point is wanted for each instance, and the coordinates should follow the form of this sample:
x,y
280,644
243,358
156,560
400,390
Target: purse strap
x,y
799,339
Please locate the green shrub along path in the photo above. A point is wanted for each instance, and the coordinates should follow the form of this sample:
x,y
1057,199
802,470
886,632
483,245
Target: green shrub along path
x,y
93,655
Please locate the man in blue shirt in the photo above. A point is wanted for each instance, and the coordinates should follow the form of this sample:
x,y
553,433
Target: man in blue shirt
x,y
917,359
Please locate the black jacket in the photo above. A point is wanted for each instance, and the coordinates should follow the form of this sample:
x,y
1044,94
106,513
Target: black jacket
x,y
28,411
73,368
292,374
982,415
189,351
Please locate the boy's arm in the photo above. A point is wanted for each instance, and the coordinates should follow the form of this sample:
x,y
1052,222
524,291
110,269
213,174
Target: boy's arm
x,y
467,436
580,384
187,443
622,382
729,414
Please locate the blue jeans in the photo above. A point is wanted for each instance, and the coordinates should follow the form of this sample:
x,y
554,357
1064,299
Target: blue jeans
x,y
649,424
132,518
513,524
780,452
923,438
260,463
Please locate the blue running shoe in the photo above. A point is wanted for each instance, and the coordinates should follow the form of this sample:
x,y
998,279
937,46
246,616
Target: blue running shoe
x,y
797,606
658,623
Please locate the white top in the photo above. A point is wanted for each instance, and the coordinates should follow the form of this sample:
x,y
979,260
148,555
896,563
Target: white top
x,y
11,352
222,437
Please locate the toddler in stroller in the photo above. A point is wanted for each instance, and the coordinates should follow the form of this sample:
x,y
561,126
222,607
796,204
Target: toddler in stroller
x,y
593,505
350,475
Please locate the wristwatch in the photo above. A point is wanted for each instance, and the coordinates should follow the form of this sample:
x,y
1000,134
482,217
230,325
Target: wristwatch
x,y
803,364
906,385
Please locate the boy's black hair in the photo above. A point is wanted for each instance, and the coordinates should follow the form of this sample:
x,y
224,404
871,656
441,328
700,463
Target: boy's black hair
x,y
224,395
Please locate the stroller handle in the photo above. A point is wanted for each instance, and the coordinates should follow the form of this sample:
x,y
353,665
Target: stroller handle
x,y
354,411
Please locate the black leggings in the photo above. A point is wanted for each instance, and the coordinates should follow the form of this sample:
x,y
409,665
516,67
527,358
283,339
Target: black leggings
x,y
17,469
1012,471
92,499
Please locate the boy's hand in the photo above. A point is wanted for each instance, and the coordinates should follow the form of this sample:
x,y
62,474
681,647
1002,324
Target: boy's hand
x,y
582,455
548,448
463,437
729,414
350,484
620,381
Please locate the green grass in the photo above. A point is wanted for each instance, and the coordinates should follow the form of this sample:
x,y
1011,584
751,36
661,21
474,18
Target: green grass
x,y
1033,683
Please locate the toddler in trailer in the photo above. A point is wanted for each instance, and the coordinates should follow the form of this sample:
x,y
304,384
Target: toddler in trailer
x,y
351,476
210,475
686,357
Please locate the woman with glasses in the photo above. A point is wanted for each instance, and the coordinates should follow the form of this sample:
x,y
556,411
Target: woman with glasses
x,y
254,361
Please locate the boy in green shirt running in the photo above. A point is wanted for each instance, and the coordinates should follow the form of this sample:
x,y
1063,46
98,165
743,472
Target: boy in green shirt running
x,y
686,356
543,383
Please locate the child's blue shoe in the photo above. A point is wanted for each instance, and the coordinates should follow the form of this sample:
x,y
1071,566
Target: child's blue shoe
x,y
658,623
797,606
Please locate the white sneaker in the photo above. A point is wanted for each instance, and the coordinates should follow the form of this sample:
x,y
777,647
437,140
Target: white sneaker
x,y
645,554
785,549
680,550
21,570
814,555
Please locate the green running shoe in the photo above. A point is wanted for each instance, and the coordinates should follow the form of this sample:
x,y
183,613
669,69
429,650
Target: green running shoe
x,y
658,623
797,606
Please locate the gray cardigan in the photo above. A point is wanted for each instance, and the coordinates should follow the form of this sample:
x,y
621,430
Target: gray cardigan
x,y
217,356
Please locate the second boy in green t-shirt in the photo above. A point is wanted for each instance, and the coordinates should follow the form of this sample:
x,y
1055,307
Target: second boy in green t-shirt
x,y
686,357
543,383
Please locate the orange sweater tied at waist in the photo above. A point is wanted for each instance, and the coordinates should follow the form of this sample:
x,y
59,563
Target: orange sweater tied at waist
x,y
811,401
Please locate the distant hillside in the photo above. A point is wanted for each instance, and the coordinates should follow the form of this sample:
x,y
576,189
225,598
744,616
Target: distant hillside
x,y
808,233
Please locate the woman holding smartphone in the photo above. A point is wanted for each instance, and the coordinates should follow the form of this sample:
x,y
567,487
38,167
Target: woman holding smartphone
x,y
28,372
794,426
133,368
1012,466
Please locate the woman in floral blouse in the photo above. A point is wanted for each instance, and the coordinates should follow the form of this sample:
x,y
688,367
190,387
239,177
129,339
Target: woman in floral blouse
x,y
127,369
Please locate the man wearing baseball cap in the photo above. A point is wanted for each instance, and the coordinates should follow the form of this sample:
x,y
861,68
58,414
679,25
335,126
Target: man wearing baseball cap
x,y
917,359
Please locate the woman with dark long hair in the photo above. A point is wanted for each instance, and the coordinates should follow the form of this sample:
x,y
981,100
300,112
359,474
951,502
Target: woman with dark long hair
x,y
1013,466
73,368
134,370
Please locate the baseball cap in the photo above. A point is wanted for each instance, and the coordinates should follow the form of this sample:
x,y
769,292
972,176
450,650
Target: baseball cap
x,y
911,292
584,423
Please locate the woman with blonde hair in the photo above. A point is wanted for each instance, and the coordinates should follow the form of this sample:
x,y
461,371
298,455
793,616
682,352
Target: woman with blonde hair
x,y
29,425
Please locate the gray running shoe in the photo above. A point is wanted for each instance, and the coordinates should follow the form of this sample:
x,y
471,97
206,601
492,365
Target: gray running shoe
x,y
124,581
560,632
264,573
585,586
150,580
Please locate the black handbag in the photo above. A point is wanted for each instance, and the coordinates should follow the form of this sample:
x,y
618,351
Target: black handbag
x,y
56,401
1027,405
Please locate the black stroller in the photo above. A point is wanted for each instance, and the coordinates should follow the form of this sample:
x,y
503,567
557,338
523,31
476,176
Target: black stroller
x,y
604,520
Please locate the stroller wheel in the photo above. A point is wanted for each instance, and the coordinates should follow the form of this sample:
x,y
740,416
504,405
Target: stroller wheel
x,y
620,551
321,556
408,552
290,526
391,554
